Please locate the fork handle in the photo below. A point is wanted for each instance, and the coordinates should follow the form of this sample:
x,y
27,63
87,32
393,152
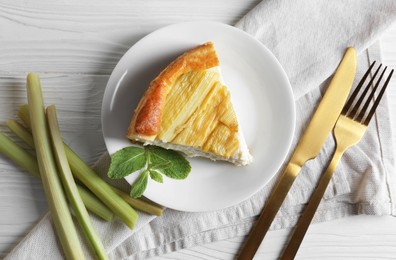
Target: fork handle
x,y
309,212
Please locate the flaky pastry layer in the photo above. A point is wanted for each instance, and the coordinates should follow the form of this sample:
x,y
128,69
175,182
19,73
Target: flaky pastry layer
x,y
146,121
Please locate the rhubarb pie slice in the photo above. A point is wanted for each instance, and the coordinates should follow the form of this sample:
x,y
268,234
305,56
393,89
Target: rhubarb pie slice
x,y
188,108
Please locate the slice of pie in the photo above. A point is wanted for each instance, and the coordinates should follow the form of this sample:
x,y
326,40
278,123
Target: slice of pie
x,y
187,108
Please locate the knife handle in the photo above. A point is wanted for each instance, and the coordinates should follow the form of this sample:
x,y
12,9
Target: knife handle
x,y
309,212
269,211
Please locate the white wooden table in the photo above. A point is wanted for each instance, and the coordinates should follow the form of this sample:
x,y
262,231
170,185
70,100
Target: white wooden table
x,y
74,45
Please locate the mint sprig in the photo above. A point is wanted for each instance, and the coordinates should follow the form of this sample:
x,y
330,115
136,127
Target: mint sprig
x,y
151,161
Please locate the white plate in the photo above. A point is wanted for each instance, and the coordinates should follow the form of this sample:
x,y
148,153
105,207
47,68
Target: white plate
x,y
261,95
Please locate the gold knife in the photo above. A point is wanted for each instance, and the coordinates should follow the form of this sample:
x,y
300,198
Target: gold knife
x,y
309,146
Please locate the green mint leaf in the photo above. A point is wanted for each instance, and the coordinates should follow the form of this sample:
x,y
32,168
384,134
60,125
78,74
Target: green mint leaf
x,y
168,162
126,161
140,184
160,165
156,176
150,160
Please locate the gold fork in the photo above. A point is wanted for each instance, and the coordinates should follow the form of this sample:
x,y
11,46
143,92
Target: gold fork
x,y
348,131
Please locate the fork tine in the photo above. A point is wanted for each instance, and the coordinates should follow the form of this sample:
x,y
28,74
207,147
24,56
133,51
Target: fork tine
x,y
353,111
378,99
362,112
348,105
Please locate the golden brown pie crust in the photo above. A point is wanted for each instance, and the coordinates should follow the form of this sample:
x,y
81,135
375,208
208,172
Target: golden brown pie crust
x,y
146,121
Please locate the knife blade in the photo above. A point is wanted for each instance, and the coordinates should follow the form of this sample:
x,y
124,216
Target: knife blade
x,y
308,147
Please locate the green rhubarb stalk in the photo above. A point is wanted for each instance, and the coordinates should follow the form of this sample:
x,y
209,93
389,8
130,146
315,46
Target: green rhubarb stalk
x,y
91,180
79,167
58,206
140,203
21,132
70,186
101,189
29,163
94,205
23,114
19,155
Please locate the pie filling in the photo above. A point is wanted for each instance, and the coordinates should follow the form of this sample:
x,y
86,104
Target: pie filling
x,y
198,113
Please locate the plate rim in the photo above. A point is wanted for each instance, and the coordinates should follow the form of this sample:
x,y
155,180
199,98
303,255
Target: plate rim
x,y
281,70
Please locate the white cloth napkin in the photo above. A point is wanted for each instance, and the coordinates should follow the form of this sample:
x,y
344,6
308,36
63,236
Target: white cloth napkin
x,y
309,39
